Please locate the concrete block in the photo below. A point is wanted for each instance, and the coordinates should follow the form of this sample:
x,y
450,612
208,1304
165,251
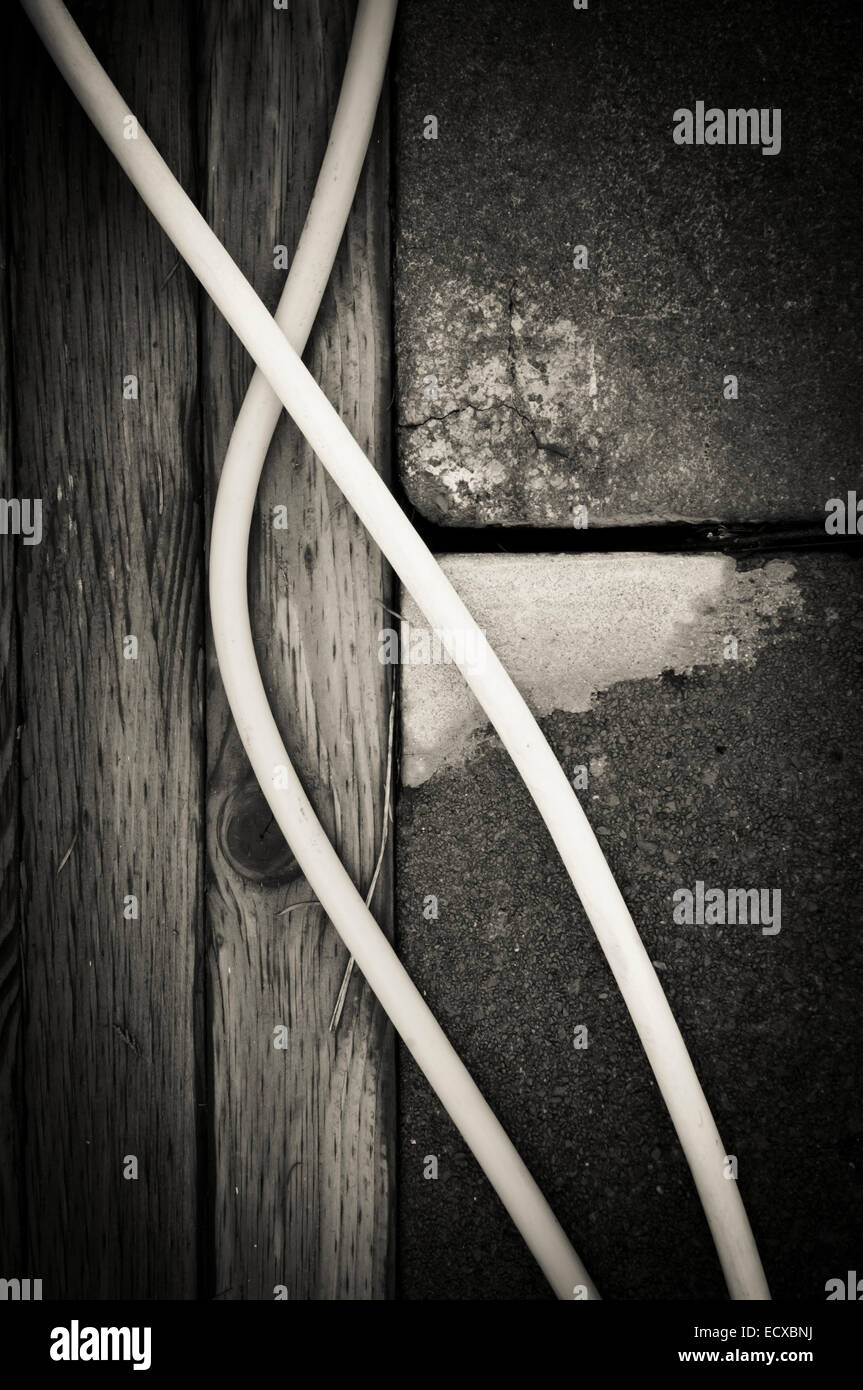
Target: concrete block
x,y
527,387
698,760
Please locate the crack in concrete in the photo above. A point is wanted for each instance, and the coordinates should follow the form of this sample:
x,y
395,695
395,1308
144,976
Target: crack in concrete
x,y
515,407
510,342
541,445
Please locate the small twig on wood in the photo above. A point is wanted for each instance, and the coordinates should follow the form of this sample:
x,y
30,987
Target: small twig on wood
x,y
65,858
292,907
127,1039
401,616
387,817
174,268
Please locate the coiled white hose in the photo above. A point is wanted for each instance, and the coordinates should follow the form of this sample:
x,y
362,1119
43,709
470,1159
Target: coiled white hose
x,y
413,562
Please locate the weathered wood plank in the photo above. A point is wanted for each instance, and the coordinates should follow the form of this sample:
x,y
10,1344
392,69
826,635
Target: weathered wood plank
x,y
111,748
11,1193
303,1136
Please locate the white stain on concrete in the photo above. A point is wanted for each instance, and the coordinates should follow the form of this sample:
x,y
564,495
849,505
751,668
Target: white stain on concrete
x,y
568,626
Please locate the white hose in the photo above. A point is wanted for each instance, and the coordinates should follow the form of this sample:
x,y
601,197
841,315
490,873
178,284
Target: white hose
x,y
235,499
414,563
232,635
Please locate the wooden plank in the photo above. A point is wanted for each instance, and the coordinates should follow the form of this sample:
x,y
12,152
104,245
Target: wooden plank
x,y
11,1192
111,747
303,1135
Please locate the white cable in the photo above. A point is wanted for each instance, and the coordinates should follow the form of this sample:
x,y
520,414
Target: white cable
x,y
414,563
235,500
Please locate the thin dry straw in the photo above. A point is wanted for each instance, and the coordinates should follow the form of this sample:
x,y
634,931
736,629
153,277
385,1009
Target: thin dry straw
x,y
545,779
387,817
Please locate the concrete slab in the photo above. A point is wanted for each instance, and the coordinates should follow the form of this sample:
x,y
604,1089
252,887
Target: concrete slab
x,y
701,766
527,387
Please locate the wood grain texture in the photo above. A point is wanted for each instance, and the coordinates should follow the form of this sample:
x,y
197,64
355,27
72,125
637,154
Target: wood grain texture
x,y
303,1137
11,1191
111,749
